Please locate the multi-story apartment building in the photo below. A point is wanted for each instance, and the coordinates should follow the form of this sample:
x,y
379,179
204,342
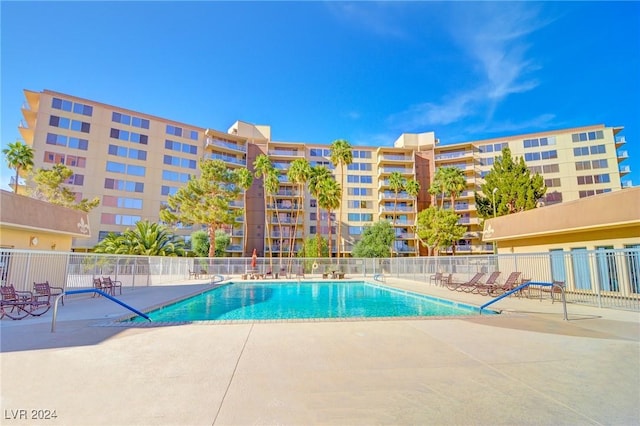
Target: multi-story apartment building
x,y
133,161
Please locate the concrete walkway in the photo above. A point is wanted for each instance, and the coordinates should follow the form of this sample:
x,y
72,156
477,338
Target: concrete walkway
x,y
527,366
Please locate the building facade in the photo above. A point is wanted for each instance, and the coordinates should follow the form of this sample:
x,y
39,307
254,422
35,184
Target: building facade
x,y
133,161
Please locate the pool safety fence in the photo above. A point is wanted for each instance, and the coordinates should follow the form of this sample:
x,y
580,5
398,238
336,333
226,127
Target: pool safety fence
x,y
605,278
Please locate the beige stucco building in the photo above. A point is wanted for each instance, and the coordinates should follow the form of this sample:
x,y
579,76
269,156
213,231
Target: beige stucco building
x,y
610,221
30,224
133,161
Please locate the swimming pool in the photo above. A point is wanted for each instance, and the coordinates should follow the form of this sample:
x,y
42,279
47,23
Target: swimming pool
x,y
287,300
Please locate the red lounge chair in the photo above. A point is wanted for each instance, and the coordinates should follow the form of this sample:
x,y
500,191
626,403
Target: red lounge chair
x,y
467,286
511,283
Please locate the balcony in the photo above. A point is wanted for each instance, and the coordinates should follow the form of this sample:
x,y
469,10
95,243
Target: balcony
x,y
282,206
399,209
622,155
627,184
392,196
286,153
624,170
455,155
219,143
401,170
227,159
400,158
621,140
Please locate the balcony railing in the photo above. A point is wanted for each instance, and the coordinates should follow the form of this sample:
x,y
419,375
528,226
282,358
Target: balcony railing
x,y
398,209
392,196
453,155
402,170
627,184
394,157
620,140
624,170
623,154
224,144
286,153
227,159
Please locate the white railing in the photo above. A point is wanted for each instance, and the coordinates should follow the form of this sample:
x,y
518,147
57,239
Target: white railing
x,y
605,278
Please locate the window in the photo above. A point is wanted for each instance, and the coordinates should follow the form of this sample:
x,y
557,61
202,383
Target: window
x,y
532,156
175,176
124,185
61,104
597,149
129,120
119,219
75,180
315,152
551,168
75,161
585,180
530,143
53,157
193,135
366,179
583,165
587,136
135,170
604,178
552,182
76,107
546,155
581,151
600,164
353,179
168,190
355,230
553,198
173,130
588,193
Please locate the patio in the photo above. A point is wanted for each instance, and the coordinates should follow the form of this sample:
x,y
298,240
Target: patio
x,y
527,366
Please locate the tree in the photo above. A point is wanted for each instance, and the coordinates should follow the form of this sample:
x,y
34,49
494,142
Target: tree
x,y
412,188
319,174
206,200
299,173
245,180
48,186
438,228
19,156
149,239
261,166
314,248
396,183
341,155
329,199
517,190
448,181
222,241
200,243
376,241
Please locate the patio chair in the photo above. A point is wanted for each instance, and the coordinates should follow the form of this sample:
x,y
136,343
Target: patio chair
x,y
193,275
436,279
44,289
467,286
98,284
510,283
20,304
300,273
112,284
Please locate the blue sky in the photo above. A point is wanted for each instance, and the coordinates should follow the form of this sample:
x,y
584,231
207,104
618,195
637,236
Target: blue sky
x,y
319,71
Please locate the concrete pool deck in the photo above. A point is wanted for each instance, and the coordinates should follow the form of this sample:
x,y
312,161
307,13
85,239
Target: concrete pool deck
x,y
527,366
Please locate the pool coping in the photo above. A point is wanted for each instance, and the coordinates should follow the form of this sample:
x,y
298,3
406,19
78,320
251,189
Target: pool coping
x,y
124,320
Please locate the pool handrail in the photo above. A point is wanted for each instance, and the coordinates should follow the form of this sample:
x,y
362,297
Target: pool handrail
x,y
379,277
553,285
215,279
92,290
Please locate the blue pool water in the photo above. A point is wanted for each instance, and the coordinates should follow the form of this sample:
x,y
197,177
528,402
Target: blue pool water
x,y
305,300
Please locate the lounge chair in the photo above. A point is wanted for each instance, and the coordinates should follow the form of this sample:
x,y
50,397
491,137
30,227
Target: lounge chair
x,y
193,275
483,288
467,286
112,284
300,273
44,289
20,304
510,283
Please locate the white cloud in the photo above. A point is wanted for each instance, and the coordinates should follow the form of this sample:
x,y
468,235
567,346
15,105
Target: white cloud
x,y
493,36
373,16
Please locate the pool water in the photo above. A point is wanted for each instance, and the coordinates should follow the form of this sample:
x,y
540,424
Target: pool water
x,y
306,300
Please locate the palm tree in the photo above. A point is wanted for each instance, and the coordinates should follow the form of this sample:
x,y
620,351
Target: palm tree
x,y
319,174
262,165
454,183
341,155
245,180
149,239
412,188
298,174
329,199
271,187
19,156
396,183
